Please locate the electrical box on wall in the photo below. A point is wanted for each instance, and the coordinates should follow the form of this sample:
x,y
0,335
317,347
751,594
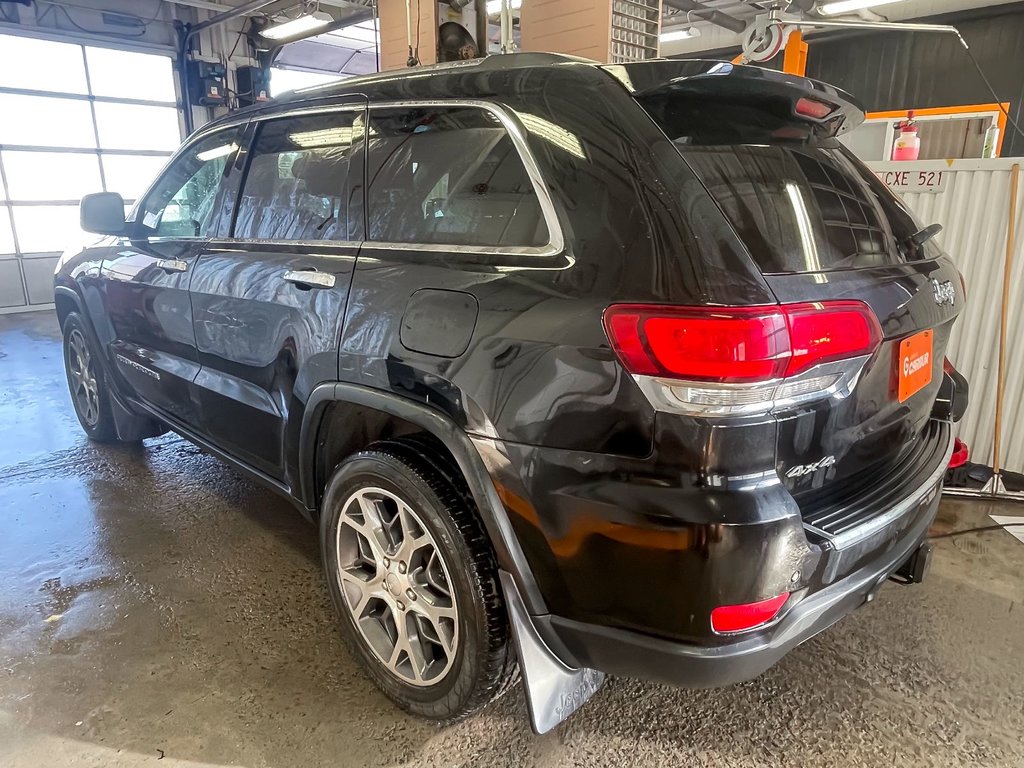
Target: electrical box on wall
x,y
253,85
207,83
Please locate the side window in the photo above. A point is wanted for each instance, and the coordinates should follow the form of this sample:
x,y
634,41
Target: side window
x,y
297,186
449,176
182,202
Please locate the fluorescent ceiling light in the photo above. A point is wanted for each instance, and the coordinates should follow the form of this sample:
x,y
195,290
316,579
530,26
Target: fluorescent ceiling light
x,y
494,6
560,137
297,26
325,137
845,6
679,34
215,152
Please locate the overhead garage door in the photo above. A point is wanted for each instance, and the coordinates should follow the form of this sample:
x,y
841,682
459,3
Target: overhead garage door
x,y
75,119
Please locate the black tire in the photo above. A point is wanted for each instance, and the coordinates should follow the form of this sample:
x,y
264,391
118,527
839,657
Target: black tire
x,y
483,664
90,400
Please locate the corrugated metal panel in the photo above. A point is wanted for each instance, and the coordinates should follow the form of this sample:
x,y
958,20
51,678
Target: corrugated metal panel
x,y
973,208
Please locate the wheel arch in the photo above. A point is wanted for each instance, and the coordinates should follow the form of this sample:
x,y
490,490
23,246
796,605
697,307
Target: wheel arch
x,y
66,301
369,415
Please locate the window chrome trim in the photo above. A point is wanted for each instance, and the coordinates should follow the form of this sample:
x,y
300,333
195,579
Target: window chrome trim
x,y
556,239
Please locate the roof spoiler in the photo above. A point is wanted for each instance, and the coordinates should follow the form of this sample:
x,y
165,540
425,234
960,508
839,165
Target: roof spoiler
x,y
831,110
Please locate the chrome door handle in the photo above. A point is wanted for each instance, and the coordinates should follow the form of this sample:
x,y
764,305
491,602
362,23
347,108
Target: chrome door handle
x,y
172,265
310,278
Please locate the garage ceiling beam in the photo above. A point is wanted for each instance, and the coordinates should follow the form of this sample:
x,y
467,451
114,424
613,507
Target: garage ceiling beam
x,y
245,8
692,8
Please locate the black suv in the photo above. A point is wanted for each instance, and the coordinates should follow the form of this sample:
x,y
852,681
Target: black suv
x,y
633,366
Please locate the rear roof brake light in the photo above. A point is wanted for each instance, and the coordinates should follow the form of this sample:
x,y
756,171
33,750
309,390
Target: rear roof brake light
x,y
813,108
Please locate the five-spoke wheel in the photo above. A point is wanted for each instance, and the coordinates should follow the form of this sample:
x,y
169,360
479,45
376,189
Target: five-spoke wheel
x,y
413,578
397,587
82,378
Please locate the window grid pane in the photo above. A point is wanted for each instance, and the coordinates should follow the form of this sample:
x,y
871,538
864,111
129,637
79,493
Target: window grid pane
x,y
130,75
63,70
45,228
6,236
45,121
51,175
39,176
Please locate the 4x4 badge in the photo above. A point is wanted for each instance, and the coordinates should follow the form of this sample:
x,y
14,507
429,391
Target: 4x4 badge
x,y
805,469
944,292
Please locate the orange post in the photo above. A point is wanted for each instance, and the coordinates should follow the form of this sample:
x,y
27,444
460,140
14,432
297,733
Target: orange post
x,y
794,56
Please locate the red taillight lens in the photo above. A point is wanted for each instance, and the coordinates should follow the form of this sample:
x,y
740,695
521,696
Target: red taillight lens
x,y
834,330
813,108
737,618
710,346
738,344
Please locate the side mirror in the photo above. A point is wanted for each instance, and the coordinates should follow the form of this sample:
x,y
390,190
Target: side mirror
x,y
102,213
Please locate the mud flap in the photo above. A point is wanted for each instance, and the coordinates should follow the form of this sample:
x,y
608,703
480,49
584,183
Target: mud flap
x,y
553,690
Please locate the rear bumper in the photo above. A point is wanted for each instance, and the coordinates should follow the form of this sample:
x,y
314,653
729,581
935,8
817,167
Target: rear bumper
x,y
633,654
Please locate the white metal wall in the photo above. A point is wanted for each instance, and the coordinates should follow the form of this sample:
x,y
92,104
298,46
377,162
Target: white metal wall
x,y
973,208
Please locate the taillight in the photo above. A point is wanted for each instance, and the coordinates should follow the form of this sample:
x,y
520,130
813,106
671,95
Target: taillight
x,y
739,618
742,359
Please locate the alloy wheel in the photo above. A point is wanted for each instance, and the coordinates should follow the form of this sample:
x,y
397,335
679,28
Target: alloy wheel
x,y
397,586
84,384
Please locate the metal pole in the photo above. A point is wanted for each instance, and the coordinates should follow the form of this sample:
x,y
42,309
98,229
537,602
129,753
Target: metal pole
x,y
507,41
693,8
1007,273
241,10
480,8
902,26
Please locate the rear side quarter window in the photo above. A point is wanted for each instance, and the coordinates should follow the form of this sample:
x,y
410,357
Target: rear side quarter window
x,y
449,176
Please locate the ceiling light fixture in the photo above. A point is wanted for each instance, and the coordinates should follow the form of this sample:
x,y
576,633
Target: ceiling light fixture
x,y
295,27
685,33
845,6
215,152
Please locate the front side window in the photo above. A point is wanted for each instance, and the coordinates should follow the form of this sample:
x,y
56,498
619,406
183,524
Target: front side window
x,y
182,202
449,176
297,185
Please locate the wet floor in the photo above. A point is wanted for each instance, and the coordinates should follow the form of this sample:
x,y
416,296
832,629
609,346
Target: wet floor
x,y
157,605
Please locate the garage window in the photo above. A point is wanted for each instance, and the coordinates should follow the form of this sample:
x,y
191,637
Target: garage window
x,y
76,119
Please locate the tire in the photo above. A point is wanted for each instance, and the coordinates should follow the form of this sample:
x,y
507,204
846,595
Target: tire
x,y
86,382
456,654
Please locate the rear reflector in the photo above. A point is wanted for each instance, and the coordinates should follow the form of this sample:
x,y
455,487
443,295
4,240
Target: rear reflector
x,y
738,344
737,618
961,454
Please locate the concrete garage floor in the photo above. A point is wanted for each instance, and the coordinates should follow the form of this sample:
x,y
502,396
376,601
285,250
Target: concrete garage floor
x,y
155,604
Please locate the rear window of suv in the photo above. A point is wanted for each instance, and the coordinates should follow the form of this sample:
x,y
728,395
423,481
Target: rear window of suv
x,y
799,203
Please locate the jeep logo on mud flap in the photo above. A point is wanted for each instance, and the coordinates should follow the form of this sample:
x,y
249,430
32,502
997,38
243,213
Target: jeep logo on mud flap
x,y
944,292
806,469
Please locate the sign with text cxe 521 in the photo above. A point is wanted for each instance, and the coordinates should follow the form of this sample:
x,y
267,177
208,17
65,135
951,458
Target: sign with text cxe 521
x,y
900,180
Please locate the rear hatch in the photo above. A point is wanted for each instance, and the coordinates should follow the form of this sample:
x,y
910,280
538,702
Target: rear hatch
x,y
820,227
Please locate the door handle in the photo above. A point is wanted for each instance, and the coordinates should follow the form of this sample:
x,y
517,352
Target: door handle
x,y
172,265
310,278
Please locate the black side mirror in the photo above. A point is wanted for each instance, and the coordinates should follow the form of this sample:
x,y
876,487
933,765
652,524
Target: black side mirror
x,y
102,213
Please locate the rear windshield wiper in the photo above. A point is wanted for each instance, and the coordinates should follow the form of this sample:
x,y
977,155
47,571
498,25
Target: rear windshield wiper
x,y
922,236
